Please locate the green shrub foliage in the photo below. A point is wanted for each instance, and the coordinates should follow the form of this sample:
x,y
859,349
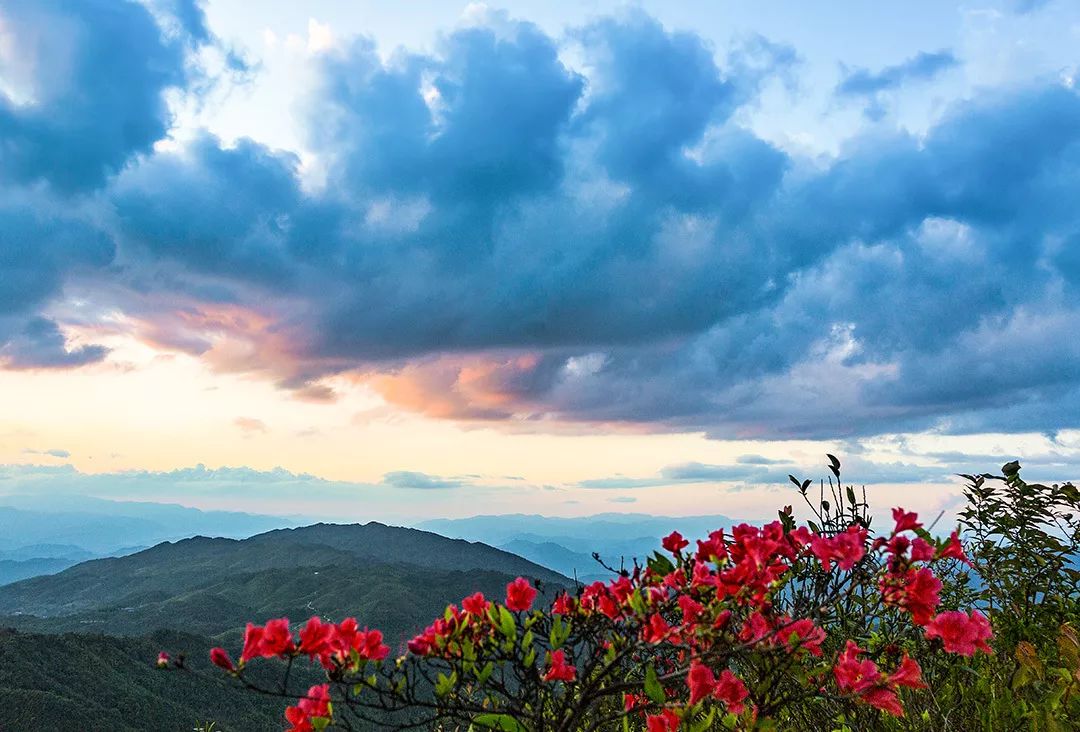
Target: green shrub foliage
x,y
838,624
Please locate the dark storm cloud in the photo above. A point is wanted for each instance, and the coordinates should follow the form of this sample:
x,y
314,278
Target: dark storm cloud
x,y
92,76
501,237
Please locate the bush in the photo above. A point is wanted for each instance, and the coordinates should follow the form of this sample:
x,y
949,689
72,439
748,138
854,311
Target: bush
x,y
825,626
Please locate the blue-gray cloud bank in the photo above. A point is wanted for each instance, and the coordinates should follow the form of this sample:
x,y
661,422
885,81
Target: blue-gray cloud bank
x,y
518,239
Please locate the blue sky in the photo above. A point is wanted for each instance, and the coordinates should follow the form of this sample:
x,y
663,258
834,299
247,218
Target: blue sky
x,y
424,246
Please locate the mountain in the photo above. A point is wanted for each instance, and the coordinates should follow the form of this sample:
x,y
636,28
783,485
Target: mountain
x,y
81,657
101,527
96,683
411,546
393,578
567,544
48,551
13,570
578,565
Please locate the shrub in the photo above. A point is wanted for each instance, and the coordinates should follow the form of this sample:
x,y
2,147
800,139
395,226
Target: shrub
x,y
817,627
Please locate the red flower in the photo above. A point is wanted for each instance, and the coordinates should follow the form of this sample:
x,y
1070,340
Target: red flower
x,y
520,595
862,678
907,674
273,639
367,643
732,691
701,681
298,720
917,591
921,551
847,548
608,606
220,658
316,637
714,547
372,646
559,669
885,699
252,643
475,604
665,721
423,644
905,520
317,701
962,633
802,635
691,609
953,549
922,596
657,629
622,588
563,605
162,660
850,546
315,704
755,628
854,675
674,542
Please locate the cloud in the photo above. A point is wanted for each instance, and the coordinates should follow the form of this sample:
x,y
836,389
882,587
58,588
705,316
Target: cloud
x,y
1022,7
251,425
759,460
414,480
855,470
90,79
921,67
622,499
874,88
56,453
504,238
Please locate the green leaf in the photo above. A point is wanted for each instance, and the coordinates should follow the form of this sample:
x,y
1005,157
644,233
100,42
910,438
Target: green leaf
x,y
503,722
527,639
320,723
485,673
445,683
703,723
556,636
506,622
653,689
660,564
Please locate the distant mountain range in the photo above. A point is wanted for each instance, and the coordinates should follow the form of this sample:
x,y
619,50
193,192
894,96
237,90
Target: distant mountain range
x,y
44,537
102,527
567,544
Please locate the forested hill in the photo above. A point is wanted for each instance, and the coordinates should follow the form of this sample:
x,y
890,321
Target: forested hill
x,y
96,683
392,578
80,652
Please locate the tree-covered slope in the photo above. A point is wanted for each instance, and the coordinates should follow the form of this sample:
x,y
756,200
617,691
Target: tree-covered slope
x,y
214,579
91,683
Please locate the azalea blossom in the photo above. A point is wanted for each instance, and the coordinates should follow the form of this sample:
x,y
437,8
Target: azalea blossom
x,y
520,595
962,633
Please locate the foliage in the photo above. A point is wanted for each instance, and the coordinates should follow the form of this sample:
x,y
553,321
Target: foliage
x,y
823,626
94,683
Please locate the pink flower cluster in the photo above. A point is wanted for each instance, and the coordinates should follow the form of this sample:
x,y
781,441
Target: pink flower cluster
x,y
716,598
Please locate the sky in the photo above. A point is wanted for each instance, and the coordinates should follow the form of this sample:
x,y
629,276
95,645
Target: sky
x,y
405,260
